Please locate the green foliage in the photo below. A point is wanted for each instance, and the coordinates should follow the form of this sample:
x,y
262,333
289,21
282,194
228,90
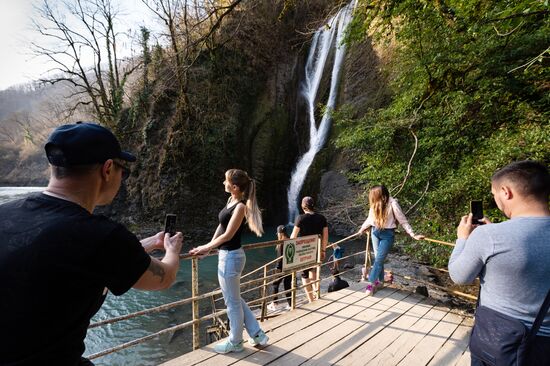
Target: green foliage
x,y
141,101
470,79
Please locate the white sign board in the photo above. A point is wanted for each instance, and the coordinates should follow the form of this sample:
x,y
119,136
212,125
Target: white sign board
x,y
300,251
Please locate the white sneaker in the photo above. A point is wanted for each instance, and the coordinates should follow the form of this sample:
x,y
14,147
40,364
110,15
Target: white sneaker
x,y
287,307
259,339
271,306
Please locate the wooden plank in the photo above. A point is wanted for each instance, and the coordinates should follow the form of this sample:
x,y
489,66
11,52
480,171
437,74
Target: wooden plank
x,y
307,308
455,346
287,342
207,352
332,335
374,320
406,341
368,350
423,352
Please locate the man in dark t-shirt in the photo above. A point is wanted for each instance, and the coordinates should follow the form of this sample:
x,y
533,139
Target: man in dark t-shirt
x,y
311,223
58,259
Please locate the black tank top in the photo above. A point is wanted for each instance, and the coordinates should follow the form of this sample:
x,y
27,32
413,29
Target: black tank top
x,y
224,216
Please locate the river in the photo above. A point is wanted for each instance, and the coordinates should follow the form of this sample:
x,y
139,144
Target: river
x,y
165,347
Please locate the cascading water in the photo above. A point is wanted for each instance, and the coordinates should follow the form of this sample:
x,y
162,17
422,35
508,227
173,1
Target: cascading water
x,y
323,41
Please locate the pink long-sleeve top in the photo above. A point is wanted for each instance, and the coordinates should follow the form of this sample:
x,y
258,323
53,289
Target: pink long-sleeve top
x,y
395,216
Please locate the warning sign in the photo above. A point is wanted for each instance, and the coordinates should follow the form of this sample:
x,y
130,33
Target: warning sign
x,y
300,251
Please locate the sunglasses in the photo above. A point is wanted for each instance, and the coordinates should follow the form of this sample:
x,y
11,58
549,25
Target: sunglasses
x,y
125,170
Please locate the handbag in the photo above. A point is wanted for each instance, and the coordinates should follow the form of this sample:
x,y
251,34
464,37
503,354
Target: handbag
x,y
501,340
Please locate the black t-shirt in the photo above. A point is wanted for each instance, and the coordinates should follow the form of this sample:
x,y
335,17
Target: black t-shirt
x,y
311,224
56,259
224,217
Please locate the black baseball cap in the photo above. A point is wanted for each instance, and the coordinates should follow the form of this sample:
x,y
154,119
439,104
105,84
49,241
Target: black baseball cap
x,y
83,143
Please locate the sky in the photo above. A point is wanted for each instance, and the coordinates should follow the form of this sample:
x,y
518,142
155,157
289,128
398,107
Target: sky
x,y
17,64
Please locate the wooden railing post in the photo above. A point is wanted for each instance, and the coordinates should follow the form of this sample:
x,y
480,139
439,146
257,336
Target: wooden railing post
x,y
293,293
264,294
195,303
318,272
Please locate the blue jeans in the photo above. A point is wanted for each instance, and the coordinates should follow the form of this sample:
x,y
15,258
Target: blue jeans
x,y
230,266
382,241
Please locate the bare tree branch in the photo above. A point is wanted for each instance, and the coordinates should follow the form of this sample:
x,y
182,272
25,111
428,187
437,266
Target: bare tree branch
x,y
73,31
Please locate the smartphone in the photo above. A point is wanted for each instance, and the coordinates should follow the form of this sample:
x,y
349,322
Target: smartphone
x,y
170,224
476,208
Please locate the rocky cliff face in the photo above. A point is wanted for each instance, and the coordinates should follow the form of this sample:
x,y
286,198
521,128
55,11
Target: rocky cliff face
x,y
242,113
17,169
253,118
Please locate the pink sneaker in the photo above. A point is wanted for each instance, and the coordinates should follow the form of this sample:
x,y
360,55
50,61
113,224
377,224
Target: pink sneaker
x,y
369,290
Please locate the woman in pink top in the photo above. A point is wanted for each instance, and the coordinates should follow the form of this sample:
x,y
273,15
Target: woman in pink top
x,y
384,215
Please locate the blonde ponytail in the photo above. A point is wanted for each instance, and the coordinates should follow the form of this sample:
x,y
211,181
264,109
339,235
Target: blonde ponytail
x,y
253,213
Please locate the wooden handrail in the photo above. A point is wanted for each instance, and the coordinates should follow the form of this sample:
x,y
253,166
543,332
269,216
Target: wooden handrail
x,y
440,242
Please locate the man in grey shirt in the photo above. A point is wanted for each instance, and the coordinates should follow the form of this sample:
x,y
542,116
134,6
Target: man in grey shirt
x,y
512,258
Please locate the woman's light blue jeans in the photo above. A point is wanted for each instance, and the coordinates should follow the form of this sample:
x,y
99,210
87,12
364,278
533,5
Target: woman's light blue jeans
x,y
382,241
230,266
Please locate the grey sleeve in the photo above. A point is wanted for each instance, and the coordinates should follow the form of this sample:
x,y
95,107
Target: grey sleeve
x,y
469,256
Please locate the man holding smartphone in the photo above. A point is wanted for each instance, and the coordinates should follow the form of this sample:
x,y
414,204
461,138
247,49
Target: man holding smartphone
x,y
512,258
58,259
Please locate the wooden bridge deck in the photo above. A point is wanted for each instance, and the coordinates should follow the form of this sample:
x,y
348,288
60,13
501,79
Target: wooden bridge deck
x,y
393,327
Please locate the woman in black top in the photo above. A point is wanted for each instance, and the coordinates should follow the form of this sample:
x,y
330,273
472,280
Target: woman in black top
x,y
231,259
311,223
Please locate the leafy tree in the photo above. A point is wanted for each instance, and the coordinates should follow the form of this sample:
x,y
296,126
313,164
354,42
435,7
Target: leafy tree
x,y
469,83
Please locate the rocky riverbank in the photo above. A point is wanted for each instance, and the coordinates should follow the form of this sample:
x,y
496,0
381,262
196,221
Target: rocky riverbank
x,y
408,274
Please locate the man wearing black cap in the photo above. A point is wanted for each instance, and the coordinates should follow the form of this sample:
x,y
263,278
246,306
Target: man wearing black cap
x,y
58,259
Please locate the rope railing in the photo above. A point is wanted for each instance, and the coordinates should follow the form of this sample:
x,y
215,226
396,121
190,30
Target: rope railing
x,y
265,280
283,274
439,242
274,261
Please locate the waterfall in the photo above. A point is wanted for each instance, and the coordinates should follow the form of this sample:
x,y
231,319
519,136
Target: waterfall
x,y
326,37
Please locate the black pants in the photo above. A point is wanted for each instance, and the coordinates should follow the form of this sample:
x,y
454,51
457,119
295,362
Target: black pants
x,y
287,283
539,355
